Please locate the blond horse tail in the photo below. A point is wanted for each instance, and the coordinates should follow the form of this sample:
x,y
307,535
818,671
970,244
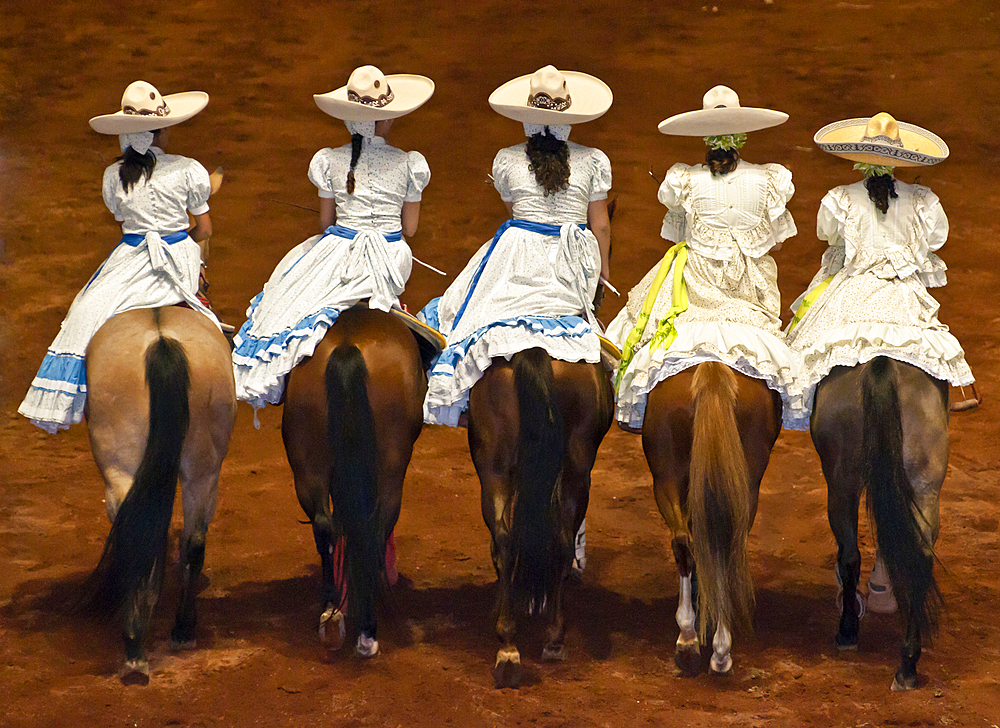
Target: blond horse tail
x,y
718,502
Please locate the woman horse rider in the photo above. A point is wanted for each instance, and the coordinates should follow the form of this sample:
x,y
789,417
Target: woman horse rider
x,y
714,296
158,260
534,284
369,200
870,298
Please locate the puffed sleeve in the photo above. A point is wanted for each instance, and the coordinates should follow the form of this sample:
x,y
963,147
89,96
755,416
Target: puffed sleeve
x,y
675,186
780,191
501,163
319,173
930,215
832,217
600,181
199,188
109,189
418,175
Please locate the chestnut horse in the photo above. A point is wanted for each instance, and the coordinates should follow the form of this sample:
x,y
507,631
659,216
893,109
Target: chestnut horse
x,y
707,434
534,428
352,413
161,404
882,427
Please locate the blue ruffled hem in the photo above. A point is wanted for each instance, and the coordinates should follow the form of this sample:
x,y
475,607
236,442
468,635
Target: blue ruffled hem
x,y
61,373
250,349
429,314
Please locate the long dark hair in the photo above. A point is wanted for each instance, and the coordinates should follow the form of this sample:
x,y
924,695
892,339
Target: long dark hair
x,y
722,161
880,188
356,140
548,158
134,166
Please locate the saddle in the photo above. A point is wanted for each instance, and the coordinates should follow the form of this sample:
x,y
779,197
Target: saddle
x,y
429,340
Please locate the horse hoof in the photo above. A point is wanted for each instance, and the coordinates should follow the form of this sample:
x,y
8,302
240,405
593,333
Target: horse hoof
x,y
180,645
722,667
134,672
507,671
332,629
367,646
554,653
901,683
846,644
687,657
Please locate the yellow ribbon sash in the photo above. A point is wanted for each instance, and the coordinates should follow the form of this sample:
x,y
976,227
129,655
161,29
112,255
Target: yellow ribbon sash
x,y
665,332
808,301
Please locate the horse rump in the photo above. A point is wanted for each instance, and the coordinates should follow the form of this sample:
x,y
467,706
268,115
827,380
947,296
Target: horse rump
x,y
906,552
135,549
537,538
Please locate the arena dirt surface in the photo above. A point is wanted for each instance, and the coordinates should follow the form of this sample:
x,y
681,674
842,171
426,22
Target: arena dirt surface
x,y
258,662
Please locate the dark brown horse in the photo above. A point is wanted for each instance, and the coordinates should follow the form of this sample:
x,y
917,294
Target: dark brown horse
x,y
882,427
534,428
707,434
352,413
161,404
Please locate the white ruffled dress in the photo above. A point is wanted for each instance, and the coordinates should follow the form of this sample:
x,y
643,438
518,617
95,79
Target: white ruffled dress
x,y
730,223
155,264
876,303
525,288
363,257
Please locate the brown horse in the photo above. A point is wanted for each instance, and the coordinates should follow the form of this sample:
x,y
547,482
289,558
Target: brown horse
x,y
707,434
882,427
161,404
534,428
352,413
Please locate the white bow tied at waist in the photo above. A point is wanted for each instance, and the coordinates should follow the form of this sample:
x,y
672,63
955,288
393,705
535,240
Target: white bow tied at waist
x,y
371,258
577,263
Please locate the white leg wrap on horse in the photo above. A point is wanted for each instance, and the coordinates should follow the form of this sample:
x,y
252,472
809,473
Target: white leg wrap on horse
x,y
722,661
367,646
580,557
685,615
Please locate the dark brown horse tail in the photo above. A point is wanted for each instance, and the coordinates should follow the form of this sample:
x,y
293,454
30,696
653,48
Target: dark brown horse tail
x,y
907,555
718,501
535,523
354,485
136,546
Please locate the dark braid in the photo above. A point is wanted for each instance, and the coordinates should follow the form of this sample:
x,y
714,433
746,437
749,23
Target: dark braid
x,y
722,161
880,188
356,140
134,166
548,158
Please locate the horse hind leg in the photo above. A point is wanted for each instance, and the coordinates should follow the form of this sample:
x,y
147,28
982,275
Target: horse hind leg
x,y
507,668
687,652
138,609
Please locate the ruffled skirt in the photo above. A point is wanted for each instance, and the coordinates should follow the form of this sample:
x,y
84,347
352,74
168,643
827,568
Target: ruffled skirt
x,y
126,280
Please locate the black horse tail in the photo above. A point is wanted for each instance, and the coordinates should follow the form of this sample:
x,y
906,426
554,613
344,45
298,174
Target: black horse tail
x,y
135,549
353,484
538,543
718,500
907,553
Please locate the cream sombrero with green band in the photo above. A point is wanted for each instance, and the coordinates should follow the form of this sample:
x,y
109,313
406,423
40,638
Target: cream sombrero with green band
x,y
882,140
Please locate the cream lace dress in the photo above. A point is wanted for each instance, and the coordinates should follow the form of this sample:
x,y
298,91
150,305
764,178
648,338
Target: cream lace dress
x,y
876,303
730,223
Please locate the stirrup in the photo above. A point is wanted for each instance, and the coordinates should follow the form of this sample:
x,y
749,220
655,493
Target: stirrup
x,y
967,404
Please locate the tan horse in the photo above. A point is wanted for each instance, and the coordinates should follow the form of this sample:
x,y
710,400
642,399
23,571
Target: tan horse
x,y
882,427
161,404
352,414
707,434
534,428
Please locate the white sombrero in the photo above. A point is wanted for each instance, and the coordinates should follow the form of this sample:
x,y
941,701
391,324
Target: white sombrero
x,y
721,114
370,95
144,109
882,140
552,97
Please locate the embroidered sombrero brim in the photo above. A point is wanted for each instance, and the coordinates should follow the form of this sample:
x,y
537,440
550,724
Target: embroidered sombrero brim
x,y
181,107
919,146
718,122
590,98
409,93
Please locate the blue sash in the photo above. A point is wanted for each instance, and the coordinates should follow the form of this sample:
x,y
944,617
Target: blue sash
x,y
137,239
345,232
542,228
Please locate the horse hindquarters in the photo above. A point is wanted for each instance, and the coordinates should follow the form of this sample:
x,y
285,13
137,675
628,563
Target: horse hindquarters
x,y
907,551
354,486
718,502
131,566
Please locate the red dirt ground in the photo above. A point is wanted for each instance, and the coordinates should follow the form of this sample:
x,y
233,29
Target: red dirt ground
x,y
258,662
